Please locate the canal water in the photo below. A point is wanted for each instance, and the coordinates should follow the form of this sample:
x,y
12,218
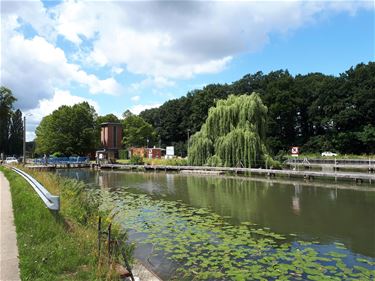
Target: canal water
x,y
222,228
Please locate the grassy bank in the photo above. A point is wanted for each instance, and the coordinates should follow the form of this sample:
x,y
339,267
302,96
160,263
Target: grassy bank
x,y
56,246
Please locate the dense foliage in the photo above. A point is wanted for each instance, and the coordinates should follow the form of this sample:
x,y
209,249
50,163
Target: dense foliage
x,y
316,111
233,134
11,125
137,132
69,130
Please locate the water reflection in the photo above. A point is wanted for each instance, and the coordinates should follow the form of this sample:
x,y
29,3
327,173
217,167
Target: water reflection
x,y
311,212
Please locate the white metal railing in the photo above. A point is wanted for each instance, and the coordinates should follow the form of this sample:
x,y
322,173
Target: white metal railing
x,y
51,201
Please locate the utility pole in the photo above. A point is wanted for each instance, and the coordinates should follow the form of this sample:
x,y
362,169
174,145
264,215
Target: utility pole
x,y
24,140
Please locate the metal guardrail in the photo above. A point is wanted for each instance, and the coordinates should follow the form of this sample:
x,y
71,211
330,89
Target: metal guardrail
x,y
51,201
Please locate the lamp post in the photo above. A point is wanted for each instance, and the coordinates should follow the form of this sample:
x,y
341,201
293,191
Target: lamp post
x,y
24,138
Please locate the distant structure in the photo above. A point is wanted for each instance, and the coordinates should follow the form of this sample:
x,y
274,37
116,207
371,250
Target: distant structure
x,y
155,153
111,140
150,153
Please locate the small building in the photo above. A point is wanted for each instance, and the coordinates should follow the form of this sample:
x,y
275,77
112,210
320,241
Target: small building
x,y
111,141
154,153
139,151
150,153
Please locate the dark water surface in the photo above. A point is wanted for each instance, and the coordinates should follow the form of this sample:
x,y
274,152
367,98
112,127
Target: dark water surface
x,y
327,212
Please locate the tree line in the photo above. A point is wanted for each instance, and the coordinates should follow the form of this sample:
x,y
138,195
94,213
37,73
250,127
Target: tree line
x,y
75,130
317,112
11,125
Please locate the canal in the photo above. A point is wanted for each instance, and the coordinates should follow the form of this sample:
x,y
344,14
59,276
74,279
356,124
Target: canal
x,y
220,228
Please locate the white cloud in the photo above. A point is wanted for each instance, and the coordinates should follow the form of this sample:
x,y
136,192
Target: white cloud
x,y
31,12
136,109
177,40
135,98
34,67
151,82
47,106
160,40
117,70
31,63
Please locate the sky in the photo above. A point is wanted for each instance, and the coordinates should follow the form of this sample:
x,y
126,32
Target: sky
x,y
120,55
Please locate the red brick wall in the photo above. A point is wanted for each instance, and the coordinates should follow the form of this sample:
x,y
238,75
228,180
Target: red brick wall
x,y
155,152
138,151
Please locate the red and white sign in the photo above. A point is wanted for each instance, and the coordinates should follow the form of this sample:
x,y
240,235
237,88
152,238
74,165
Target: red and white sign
x,y
295,151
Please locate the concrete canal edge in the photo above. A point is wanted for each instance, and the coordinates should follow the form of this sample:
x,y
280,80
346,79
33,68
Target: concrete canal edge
x,y
307,175
142,273
9,262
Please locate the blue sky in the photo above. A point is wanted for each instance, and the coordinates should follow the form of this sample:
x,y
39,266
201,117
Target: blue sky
x,y
120,55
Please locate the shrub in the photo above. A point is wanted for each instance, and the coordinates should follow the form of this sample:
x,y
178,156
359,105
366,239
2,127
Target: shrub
x,y
214,161
136,160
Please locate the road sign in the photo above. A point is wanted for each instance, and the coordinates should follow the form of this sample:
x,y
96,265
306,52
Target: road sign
x,y
295,151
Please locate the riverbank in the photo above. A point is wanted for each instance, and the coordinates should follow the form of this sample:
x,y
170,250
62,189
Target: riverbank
x,y
55,246
306,174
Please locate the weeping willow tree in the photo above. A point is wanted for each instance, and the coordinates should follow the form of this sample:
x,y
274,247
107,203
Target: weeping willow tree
x,y
233,134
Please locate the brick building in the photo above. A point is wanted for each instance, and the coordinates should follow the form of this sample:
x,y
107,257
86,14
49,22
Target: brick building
x,y
111,141
150,153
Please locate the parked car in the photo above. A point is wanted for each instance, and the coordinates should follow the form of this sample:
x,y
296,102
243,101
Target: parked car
x,y
328,153
11,160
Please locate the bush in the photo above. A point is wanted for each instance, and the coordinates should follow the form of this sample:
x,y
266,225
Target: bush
x,y
58,154
136,160
214,161
123,154
176,162
167,162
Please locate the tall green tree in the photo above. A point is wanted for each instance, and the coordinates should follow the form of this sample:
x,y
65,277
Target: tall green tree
x,y
137,131
107,118
315,111
6,106
233,134
69,130
16,133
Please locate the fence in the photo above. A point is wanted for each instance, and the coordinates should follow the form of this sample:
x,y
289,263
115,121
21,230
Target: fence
x,y
62,160
114,248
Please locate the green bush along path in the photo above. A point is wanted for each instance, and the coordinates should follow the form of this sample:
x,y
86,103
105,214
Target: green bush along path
x,y
54,246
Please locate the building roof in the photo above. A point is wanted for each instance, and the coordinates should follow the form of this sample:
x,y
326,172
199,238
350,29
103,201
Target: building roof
x,y
110,123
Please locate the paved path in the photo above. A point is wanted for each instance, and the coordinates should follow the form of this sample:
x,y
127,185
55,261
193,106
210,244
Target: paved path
x,y
9,269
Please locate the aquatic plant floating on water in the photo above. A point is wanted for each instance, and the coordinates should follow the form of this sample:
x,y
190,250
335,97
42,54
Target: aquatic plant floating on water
x,y
207,247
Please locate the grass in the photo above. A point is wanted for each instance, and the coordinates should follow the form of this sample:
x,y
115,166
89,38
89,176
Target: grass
x,y
55,246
